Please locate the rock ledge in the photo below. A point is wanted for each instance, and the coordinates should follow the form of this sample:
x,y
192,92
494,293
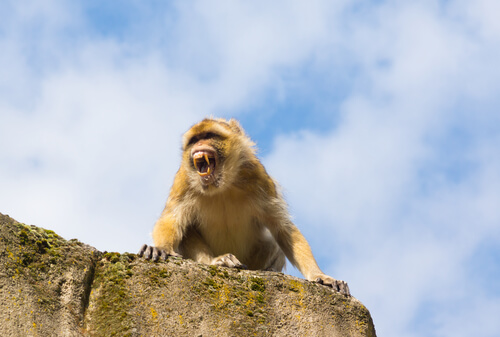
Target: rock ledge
x,y
53,287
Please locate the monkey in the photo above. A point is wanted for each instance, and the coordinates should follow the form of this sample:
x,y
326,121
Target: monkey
x,y
225,210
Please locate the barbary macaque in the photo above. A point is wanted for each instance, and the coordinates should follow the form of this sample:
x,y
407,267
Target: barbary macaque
x,y
225,210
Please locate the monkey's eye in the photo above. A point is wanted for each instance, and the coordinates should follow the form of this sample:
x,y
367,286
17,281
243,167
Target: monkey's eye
x,y
206,135
193,140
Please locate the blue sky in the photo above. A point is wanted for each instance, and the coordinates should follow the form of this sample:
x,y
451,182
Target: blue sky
x,y
379,119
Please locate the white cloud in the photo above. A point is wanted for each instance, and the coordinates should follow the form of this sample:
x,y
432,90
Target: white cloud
x,y
398,220
403,189
235,49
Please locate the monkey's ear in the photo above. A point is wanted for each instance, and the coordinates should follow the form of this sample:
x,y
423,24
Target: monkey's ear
x,y
235,126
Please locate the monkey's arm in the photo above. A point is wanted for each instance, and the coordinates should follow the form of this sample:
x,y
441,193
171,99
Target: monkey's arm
x,y
167,235
170,227
298,251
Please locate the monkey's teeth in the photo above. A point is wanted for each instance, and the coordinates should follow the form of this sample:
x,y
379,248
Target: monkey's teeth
x,y
202,163
209,170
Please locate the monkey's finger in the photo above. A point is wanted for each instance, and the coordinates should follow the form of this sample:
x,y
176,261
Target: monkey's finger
x,y
142,250
228,262
174,254
335,285
148,252
236,262
162,255
344,288
156,254
341,287
223,262
239,265
327,282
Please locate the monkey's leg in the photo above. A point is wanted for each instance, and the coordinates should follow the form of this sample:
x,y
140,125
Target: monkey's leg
x,y
228,260
194,247
277,260
267,255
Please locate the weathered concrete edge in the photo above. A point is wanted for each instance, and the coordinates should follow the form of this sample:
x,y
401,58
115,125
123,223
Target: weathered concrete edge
x,y
96,256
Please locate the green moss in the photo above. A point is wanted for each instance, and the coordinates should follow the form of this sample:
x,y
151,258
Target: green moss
x,y
212,270
130,257
231,291
260,298
23,237
158,275
112,303
35,252
112,257
210,282
221,272
257,284
40,258
164,273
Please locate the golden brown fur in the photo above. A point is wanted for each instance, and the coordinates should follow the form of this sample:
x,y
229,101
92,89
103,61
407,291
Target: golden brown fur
x,y
224,208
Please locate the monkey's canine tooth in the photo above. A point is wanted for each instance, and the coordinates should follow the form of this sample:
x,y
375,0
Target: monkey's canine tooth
x,y
202,155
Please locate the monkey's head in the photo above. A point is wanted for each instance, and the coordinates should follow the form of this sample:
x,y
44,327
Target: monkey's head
x,y
214,151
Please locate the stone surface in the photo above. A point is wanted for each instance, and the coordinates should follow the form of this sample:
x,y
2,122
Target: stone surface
x,y
53,287
44,281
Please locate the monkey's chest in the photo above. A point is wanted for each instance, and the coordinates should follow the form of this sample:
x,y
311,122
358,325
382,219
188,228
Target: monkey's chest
x,y
229,228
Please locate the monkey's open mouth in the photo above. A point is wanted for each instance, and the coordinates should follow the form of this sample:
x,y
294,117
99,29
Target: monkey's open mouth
x,y
204,162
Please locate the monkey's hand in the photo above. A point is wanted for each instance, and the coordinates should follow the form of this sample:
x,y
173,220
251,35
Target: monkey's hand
x,y
337,285
228,260
155,253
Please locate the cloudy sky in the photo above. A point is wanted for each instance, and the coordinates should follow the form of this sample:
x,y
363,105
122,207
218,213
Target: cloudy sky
x,y
380,119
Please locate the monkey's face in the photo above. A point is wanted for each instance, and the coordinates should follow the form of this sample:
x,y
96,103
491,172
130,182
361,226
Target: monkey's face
x,y
214,152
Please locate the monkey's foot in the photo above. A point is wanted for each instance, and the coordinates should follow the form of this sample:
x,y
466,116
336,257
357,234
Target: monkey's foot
x,y
337,285
155,253
228,260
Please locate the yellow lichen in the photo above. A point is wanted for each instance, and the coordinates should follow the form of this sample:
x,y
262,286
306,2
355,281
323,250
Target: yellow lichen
x,y
297,287
224,295
154,314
